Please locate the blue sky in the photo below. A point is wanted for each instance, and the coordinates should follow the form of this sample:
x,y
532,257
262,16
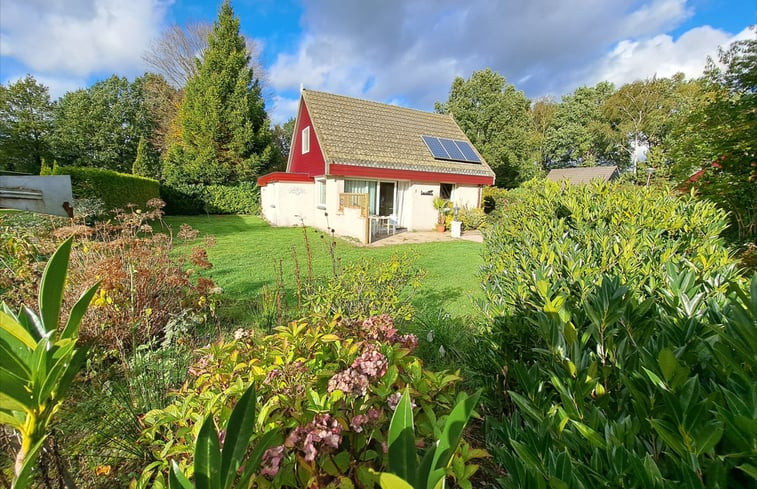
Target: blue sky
x,y
397,51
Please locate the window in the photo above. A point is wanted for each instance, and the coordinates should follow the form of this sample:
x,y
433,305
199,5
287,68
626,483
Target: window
x,y
445,191
306,140
363,187
320,189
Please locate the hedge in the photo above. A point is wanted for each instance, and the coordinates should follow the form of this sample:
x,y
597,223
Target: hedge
x,y
116,190
211,199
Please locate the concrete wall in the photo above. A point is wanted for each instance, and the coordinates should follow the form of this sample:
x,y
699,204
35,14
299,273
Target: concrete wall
x,y
291,203
285,203
466,196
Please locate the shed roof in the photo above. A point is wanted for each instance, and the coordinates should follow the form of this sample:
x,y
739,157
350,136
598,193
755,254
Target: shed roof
x,y
583,174
362,133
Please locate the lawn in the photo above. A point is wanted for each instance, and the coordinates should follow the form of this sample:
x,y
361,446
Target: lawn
x,y
248,251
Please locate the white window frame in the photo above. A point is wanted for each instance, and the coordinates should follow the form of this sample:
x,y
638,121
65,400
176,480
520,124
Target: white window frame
x,y
306,140
320,193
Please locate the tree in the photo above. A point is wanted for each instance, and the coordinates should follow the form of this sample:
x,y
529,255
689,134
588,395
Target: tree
x,y
26,115
495,117
225,133
720,136
580,134
542,116
282,138
101,126
162,102
146,162
179,52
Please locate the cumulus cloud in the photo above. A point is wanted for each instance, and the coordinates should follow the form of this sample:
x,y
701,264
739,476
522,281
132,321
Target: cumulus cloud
x,y
76,38
410,50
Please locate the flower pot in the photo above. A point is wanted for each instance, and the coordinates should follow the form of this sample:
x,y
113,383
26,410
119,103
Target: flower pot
x,y
440,228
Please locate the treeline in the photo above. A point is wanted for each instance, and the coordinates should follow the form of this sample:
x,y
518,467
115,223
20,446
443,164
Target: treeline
x,y
672,126
209,127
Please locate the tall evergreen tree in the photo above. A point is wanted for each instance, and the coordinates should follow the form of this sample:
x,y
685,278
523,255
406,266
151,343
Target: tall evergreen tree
x,y
146,162
26,115
225,133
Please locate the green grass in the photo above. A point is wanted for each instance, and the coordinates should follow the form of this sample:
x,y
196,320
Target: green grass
x,y
248,251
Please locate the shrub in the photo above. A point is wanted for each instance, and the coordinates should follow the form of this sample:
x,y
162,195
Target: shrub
x,y
212,199
364,289
115,190
474,218
625,337
240,199
493,198
627,391
330,387
571,237
143,286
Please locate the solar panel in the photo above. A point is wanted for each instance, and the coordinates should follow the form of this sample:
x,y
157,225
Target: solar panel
x,y
436,148
468,152
452,150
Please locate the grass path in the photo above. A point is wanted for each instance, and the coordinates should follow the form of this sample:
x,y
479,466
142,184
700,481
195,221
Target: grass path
x,y
248,251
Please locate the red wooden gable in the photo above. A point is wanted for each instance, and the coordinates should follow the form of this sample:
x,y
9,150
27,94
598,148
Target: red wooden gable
x,y
312,162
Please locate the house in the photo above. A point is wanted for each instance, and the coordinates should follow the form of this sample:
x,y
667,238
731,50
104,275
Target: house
x,y
358,167
582,175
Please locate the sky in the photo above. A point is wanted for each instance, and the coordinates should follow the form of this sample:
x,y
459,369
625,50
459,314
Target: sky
x,y
405,52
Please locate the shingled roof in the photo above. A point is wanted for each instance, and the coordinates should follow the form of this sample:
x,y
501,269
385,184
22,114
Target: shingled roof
x,y
583,174
359,132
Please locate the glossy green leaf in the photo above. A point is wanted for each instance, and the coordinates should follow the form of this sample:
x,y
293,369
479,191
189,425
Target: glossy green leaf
x,y
402,456
71,329
269,439
451,434
22,480
10,326
177,479
392,481
239,430
208,457
52,285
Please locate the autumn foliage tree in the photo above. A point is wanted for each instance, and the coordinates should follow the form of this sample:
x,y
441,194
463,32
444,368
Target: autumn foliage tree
x,y
225,134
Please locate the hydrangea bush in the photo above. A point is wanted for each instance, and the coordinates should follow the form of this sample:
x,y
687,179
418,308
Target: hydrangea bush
x,y
329,387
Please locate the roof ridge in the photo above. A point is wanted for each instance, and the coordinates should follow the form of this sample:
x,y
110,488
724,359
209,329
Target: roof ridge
x,y
373,102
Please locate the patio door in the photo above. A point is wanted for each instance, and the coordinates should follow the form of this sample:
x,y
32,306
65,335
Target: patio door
x,y
386,198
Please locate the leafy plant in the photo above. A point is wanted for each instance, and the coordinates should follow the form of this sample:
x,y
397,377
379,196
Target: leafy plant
x,y
216,468
39,361
327,385
405,471
442,208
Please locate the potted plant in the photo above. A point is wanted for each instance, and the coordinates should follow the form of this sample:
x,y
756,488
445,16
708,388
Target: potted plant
x,y
442,208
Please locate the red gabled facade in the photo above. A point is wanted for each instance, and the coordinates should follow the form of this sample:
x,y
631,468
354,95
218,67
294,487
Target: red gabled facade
x,y
311,163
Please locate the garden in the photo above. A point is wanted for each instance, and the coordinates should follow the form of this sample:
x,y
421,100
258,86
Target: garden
x,y
602,336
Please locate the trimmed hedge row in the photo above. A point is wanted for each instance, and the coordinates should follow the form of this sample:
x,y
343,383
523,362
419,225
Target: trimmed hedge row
x,y
115,190
211,199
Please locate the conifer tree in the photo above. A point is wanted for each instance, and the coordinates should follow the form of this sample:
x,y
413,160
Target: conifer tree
x,y
145,164
225,133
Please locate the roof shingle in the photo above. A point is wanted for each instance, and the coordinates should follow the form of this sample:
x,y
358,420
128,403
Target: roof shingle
x,y
363,133
582,175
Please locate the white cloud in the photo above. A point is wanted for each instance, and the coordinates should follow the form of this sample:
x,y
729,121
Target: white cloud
x,y
77,38
411,50
661,56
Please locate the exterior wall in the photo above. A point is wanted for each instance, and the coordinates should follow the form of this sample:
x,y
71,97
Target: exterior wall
x,y
466,196
312,162
421,215
283,203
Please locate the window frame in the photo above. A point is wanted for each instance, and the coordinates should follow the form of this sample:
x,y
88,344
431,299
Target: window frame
x,y
305,141
320,193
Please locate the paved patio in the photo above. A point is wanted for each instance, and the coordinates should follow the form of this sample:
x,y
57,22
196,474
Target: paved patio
x,y
411,237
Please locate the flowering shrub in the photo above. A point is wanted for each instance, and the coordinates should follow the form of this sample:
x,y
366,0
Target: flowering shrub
x,y
143,287
330,386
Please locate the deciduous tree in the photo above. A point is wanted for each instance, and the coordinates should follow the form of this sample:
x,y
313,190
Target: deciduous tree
x,y
495,117
101,126
26,115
